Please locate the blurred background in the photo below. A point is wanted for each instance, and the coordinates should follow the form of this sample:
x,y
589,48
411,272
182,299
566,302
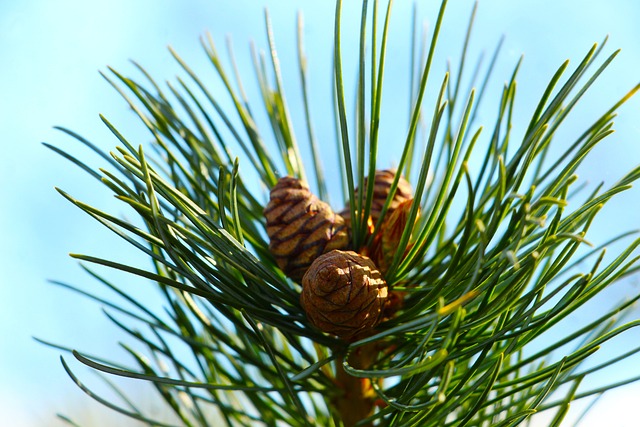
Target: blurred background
x,y
50,55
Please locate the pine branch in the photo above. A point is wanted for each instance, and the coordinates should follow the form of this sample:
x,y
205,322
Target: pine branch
x,y
477,265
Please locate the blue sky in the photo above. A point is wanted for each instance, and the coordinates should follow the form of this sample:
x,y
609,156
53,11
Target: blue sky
x,y
50,55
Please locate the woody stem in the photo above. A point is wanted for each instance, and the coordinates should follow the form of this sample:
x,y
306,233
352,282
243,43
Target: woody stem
x,y
356,401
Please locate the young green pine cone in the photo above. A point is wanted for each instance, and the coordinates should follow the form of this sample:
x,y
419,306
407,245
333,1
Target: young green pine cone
x,y
381,185
343,294
301,227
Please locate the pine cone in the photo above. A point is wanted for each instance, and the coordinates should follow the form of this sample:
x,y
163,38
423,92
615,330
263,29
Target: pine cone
x,y
301,227
381,185
385,243
343,293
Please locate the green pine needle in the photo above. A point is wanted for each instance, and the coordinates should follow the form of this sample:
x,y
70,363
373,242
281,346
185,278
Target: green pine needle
x,y
495,255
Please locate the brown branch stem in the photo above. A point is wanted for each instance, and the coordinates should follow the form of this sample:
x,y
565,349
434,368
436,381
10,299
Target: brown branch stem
x,y
357,399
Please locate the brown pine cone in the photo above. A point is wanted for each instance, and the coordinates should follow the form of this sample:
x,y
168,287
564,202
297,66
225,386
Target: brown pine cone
x,y
343,294
381,185
385,243
301,227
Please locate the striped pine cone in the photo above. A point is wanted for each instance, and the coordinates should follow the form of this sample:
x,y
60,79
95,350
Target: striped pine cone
x,y
381,185
385,243
301,227
343,294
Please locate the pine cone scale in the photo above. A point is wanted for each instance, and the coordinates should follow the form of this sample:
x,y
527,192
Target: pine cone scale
x,y
343,293
301,227
382,181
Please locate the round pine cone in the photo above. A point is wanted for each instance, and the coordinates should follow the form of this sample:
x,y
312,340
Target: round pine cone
x,y
343,293
301,227
381,185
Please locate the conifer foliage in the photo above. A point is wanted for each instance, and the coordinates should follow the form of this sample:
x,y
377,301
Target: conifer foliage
x,y
427,299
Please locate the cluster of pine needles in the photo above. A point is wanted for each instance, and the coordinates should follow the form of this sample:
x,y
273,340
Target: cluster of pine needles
x,y
496,261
